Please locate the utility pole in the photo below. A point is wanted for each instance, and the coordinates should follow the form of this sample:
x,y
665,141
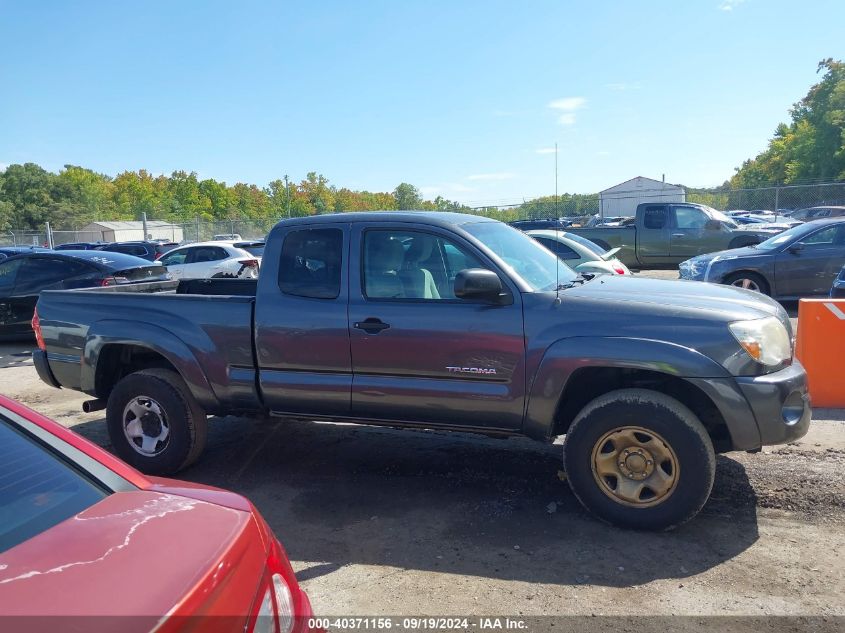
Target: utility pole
x,y
287,191
144,225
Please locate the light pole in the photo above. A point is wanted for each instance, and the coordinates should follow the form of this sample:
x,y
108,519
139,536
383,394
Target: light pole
x,y
287,191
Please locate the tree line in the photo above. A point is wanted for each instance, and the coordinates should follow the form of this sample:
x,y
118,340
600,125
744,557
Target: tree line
x,y
810,148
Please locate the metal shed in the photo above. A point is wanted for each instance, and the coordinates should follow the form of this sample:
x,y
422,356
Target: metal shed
x,y
622,199
125,231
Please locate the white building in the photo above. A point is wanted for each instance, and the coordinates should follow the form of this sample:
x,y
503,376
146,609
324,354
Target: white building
x,y
622,199
131,231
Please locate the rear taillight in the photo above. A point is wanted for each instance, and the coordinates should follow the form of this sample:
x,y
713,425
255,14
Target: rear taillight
x,y
619,270
108,281
275,612
252,263
36,327
157,257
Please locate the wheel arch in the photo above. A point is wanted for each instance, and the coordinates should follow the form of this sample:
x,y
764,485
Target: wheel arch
x,y
110,354
575,371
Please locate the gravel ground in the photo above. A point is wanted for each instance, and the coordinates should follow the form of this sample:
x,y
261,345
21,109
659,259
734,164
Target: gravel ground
x,y
378,521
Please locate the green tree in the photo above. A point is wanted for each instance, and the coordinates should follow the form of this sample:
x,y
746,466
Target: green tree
x,y
407,197
812,146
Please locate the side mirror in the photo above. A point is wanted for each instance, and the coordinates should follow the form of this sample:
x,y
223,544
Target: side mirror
x,y
713,225
478,283
795,248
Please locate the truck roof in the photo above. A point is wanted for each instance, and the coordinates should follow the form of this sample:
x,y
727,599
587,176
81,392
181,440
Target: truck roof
x,y
438,218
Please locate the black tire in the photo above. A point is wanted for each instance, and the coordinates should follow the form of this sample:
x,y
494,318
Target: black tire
x,y
185,419
748,280
671,422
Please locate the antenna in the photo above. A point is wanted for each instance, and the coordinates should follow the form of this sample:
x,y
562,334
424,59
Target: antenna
x,y
557,259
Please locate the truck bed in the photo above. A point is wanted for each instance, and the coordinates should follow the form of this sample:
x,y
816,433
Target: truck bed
x,y
192,319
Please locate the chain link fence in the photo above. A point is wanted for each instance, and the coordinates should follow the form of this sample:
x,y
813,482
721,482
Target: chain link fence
x,y
775,198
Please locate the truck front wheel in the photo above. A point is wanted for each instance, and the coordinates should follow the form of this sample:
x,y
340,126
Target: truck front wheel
x,y
639,459
154,422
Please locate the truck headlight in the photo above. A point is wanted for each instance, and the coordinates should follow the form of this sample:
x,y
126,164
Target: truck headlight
x,y
766,340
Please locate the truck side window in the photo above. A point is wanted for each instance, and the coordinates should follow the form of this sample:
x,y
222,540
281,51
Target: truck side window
x,y
412,265
655,217
311,263
690,218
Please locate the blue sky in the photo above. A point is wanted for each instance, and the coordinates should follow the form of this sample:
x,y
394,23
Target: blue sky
x,y
462,99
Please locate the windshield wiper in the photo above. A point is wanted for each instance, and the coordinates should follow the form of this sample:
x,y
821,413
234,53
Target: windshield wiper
x,y
582,278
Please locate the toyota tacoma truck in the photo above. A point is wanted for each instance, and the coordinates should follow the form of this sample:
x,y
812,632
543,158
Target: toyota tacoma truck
x,y
666,234
442,321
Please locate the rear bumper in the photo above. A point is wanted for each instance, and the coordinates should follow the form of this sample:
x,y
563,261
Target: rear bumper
x,y
42,367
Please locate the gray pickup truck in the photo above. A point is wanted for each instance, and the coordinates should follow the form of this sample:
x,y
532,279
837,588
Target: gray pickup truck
x,y
665,234
450,321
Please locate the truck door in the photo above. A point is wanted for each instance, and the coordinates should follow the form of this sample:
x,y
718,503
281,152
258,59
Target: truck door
x,y
653,233
693,233
419,354
301,326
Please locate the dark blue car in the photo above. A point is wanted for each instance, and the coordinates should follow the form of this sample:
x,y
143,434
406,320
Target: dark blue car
x,y
837,291
24,276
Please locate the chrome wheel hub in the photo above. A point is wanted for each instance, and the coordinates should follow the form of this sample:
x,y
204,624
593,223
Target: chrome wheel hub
x,y
145,426
748,284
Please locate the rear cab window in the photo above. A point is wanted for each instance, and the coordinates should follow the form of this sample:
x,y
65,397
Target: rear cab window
x,y
311,263
38,488
655,217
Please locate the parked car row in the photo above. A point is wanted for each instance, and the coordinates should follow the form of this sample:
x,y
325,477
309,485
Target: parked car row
x,y
26,271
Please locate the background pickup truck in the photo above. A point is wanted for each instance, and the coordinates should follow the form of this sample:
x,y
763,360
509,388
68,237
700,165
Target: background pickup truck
x,y
439,320
671,233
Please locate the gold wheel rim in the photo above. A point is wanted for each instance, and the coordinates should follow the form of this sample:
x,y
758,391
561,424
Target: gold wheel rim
x,y
635,467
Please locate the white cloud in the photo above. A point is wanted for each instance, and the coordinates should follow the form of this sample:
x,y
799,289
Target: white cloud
x,y
502,175
545,150
622,86
567,107
730,5
3,166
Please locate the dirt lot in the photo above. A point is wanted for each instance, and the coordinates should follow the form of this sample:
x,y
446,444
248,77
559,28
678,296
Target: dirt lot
x,y
388,522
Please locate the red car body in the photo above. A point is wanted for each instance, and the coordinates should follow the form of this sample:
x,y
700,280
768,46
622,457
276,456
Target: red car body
x,y
155,555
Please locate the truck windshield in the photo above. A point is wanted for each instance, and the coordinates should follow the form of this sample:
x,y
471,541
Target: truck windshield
x,y
523,256
724,219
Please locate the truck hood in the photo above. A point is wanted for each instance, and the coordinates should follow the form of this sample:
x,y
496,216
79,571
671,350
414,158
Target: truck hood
x,y
676,298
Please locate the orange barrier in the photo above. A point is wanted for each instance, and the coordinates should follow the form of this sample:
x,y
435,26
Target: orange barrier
x,y
820,346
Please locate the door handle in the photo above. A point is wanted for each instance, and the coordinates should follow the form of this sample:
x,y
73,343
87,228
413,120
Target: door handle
x,y
677,234
371,325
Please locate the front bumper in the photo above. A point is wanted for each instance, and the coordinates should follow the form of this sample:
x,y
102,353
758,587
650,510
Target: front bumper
x,y
762,410
781,404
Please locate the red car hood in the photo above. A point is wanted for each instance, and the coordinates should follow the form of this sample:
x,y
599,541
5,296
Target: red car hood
x,y
142,553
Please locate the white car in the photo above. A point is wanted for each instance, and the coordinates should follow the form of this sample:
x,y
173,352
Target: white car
x,y
215,260
579,253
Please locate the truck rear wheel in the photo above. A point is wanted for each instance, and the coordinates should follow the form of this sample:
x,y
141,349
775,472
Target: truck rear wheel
x,y
154,422
639,459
